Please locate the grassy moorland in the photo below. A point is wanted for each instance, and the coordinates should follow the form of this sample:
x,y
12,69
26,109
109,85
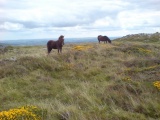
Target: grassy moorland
x,y
91,81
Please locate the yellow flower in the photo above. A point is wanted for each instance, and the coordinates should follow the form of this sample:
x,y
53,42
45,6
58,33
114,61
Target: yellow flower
x,y
127,79
25,112
144,50
157,84
82,47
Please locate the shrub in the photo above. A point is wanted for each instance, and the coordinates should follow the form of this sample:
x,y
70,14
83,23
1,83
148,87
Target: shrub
x,y
23,113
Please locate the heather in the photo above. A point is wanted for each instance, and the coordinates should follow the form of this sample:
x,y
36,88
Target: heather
x,y
88,81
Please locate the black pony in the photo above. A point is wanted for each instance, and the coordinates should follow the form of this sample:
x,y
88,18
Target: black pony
x,y
51,44
103,38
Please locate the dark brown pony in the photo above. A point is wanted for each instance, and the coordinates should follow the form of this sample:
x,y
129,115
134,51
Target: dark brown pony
x,y
51,44
103,38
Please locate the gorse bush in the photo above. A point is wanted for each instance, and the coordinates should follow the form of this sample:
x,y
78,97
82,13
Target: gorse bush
x,y
23,113
82,47
157,84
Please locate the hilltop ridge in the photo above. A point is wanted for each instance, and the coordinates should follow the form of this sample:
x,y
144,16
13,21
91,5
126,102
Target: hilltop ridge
x,y
141,37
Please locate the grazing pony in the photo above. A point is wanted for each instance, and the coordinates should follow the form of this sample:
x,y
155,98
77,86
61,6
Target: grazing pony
x,y
103,38
51,44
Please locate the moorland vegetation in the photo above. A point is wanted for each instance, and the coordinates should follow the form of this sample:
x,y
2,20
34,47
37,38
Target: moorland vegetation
x,y
89,81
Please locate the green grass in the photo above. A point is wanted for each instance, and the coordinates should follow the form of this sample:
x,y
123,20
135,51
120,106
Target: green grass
x,y
104,82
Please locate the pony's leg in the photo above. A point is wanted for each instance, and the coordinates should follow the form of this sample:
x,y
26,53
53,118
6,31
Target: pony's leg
x,y
59,50
49,50
107,41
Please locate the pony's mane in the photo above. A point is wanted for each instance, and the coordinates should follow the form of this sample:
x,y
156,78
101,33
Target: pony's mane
x,y
61,40
61,37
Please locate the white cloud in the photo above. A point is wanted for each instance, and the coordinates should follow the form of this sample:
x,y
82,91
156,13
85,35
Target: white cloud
x,y
102,22
134,19
77,17
11,26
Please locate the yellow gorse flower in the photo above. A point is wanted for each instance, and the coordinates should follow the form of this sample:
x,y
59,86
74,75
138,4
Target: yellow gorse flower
x,y
82,47
157,84
144,50
23,113
127,79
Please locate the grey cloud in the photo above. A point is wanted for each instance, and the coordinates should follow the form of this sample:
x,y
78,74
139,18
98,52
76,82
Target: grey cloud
x,y
145,5
84,14
83,17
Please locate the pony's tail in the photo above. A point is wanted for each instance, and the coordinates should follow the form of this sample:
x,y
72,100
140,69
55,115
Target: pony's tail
x,y
48,48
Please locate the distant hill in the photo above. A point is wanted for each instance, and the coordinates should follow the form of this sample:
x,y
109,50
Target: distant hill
x,y
1,47
141,37
43,41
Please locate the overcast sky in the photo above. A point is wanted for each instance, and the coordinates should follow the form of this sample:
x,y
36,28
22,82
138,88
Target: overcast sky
x,y
27,19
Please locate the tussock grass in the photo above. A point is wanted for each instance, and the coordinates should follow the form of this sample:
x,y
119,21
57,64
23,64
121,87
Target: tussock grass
x,y
103,81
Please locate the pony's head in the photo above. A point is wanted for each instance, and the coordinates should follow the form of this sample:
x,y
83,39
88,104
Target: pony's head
x,y
61,39
107,39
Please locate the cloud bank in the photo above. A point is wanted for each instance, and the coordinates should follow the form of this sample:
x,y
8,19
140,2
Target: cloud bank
x,y
77,18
